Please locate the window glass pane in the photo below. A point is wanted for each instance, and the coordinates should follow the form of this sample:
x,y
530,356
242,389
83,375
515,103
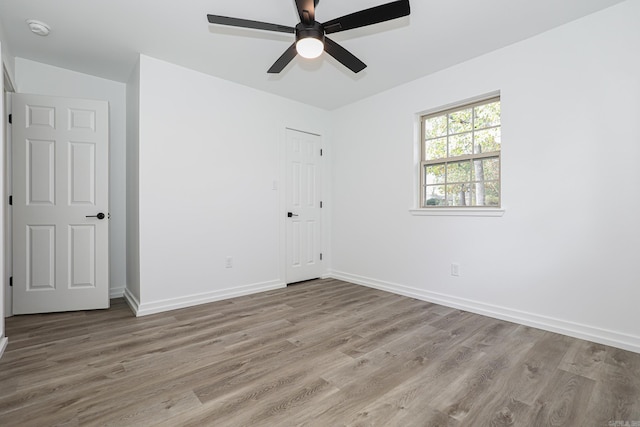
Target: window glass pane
x,y
492,193
436,149
480,190
470,195
435,174
459,172
487,140
487,115
460,145
458,195
434,195
435,127
486,169
460,121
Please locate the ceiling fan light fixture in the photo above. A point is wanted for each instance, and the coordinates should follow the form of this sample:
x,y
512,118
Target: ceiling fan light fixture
x,y
309,47
309,40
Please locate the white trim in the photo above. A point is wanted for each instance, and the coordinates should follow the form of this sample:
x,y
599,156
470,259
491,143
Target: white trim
x,y
282,204
457,212
131,300
116,292
565,327
146,308
461,103
3,345
8,83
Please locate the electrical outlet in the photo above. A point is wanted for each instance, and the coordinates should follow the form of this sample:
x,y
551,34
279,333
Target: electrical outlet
x,y
455,269
229,263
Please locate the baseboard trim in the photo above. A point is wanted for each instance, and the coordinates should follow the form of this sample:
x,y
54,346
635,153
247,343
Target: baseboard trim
x,y
116,292
131,301
147,308
564,327
3,345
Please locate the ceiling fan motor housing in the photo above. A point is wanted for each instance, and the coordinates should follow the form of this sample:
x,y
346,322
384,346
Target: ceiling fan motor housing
x,y
315,31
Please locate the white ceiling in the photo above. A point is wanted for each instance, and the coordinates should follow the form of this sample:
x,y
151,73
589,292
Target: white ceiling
x,y
103,38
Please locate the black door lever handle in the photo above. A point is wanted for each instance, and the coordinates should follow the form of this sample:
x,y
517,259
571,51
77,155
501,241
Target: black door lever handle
x,y
99,216
291,214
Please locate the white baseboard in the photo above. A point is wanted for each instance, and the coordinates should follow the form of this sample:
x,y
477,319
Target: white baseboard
x,y
3,345
564,327
131,300
146,308
116,292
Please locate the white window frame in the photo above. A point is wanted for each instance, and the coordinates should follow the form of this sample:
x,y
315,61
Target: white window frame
x,y
423,210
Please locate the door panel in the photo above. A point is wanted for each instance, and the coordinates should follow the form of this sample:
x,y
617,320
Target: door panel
x,y
40,172
82,251
82,167
41,257
303,192
60,183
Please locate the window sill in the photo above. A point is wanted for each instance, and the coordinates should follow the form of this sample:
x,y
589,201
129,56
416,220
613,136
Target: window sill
x,y
457,212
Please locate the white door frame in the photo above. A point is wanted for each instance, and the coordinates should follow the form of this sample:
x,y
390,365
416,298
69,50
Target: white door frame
x,y
6,192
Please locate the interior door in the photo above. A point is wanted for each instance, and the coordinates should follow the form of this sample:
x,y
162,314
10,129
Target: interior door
x,y
304,257
60,173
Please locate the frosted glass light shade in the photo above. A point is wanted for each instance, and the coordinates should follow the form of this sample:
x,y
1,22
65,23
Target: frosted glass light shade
x,y
309,47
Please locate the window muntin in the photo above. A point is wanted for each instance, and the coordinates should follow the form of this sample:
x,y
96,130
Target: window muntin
x,y
460,164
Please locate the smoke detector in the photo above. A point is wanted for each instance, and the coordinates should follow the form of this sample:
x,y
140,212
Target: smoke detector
x,y
39,28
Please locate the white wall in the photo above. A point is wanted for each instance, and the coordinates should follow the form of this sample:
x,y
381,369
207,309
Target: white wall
x,y
8,60
209,152
564,255
37,78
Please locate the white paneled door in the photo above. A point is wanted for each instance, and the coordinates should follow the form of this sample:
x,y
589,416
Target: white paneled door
x,y
60,194
304,245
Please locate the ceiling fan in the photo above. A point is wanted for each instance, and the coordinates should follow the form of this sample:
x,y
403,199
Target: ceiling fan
x,y
310,34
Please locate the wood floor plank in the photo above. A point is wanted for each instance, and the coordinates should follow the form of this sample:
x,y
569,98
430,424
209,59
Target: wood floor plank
x,y
562,402
368,363
468,392
422,415
616,395
510,400
537,367
322,353
585,358
415,394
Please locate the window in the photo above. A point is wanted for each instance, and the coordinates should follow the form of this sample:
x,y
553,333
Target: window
x,y
460,165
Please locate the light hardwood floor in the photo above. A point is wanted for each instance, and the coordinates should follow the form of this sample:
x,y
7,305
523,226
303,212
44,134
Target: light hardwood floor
x,y
322,353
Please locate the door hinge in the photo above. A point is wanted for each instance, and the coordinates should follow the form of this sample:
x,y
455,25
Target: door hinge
x,y
321,152
320,205
321,256
10,200
11,281
10,118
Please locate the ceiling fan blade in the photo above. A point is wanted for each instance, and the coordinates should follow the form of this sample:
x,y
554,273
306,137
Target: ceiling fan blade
x,y
284,60
374,15
246,23
343,56
307,11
